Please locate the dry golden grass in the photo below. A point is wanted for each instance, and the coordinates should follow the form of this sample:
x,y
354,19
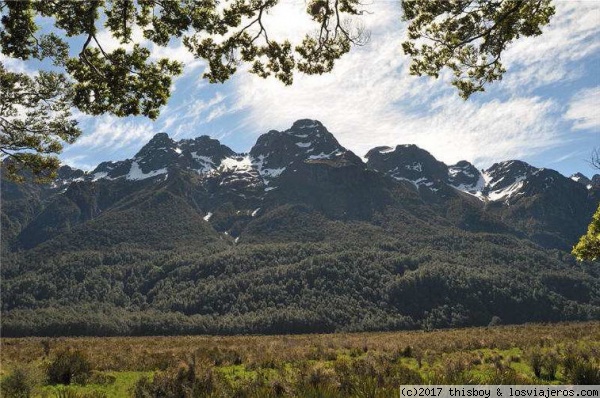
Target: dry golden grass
x,y
162,352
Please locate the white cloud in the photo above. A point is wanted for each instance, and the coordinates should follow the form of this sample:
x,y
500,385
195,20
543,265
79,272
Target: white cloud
x,y
289,20
199,107
17,66
113,133
584,109
78,161
182,119
176,52
485,133
571,35
109,43
370,99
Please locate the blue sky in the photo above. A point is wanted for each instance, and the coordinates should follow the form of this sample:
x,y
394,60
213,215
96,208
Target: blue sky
x,y
545,111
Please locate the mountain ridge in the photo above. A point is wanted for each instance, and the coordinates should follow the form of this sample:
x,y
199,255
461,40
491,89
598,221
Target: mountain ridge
x,y
273,167
191,234
255,176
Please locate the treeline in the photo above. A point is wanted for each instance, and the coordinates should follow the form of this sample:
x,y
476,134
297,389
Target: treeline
x,y
436,281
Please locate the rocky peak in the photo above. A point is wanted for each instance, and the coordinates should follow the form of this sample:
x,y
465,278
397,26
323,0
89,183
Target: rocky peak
x,y
160,152
504,174
206,146
408,163
67,173
580,178
111,170
590,184
307,127
505,179
465,177
204,153
305,140
161,142
512,179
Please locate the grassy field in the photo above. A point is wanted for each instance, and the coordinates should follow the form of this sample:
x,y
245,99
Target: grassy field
x,y
338,365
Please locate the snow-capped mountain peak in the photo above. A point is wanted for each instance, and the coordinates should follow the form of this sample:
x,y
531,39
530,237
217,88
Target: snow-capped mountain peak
x,y
306,140
408,163
594,182
466,177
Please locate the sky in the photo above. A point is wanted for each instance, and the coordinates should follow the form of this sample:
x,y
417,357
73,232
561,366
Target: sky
x,y
545,110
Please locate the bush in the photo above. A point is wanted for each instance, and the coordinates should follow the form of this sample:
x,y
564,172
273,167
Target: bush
x,y
69,367
19,384
505,376
70,393
550,366
407,352
536,362
185,382
580,370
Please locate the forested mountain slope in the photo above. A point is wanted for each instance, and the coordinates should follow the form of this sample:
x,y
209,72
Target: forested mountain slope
x,y
298,235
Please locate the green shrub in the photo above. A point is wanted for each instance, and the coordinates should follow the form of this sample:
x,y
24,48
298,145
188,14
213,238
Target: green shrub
x,y
550,366
70,393
67,393
185,382
407,352
19,384
536,362
279,388
69,367
405,375
454,370
581,370
505,376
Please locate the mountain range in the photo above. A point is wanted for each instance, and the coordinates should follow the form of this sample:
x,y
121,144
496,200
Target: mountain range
x,y
298,235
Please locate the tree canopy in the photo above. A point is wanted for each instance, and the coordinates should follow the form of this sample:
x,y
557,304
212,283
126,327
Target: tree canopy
x,y
466,36
588,247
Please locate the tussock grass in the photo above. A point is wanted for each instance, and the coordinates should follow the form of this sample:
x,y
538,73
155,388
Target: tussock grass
x,y
334,365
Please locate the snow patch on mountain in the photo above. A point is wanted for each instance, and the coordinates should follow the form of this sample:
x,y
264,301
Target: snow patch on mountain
x,y
99,176
473,189
236,163
415,166
323,155
272,173
386,149
419,182
136,174
508,192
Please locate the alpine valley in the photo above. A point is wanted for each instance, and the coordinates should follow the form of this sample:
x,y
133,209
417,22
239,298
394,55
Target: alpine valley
x,y
298,235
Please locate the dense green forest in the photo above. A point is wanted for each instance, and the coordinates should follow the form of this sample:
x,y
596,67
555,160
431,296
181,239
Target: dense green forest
x,y
365,279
